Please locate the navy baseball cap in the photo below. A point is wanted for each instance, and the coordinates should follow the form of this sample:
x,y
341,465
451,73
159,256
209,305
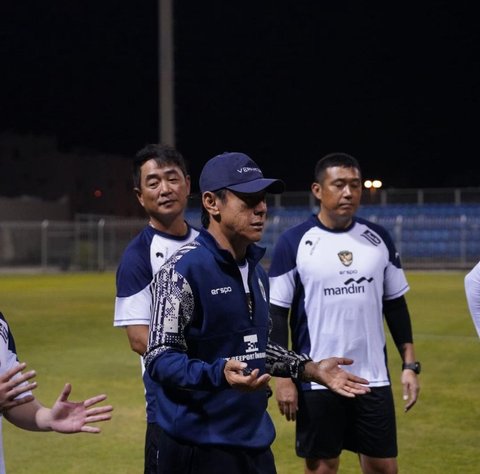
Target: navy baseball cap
x,y
237,172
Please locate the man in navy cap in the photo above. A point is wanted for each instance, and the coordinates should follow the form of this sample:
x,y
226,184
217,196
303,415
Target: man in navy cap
x,y
209,349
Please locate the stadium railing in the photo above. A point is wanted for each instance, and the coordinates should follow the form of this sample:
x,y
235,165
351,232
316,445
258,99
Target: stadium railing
x,y
428,236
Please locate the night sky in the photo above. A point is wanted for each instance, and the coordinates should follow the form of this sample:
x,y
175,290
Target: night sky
x,y
394,84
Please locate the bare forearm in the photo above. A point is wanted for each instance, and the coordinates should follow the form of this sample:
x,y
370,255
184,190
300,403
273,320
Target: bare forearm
x,y
138,338
407,352
31,416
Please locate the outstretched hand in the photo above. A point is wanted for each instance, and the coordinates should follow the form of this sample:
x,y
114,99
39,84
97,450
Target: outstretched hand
x,y
12,384
235,376
74,417
328,372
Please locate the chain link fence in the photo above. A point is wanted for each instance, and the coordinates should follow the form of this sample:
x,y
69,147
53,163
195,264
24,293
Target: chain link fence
x,y
440,235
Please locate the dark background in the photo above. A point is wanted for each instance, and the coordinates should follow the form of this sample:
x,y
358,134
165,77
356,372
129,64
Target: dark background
x,y
394,84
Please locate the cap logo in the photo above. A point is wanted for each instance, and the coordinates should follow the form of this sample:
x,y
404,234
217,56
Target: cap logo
x,y
238,173
246,169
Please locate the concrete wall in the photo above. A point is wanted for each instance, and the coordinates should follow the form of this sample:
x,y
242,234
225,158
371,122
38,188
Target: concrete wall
x,y
28,208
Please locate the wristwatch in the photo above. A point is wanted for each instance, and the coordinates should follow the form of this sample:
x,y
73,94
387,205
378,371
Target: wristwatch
x,y
415,366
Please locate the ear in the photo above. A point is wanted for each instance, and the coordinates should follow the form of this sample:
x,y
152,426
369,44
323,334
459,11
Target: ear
x,y
209,201
138,193
316,190
188,183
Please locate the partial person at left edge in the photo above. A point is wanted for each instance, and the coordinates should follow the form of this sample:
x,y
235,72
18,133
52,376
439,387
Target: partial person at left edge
x,y
472,293
22,409
162,186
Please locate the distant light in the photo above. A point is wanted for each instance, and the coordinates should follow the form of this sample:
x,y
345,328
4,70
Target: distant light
x,y
97,193
376,183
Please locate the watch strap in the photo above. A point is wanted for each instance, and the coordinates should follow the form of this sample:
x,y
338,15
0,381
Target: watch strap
x,y
415,366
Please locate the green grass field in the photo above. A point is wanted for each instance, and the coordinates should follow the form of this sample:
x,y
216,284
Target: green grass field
x,y
63,329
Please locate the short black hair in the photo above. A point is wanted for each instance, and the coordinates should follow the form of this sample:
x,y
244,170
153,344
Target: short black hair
x,y
162,154
334,159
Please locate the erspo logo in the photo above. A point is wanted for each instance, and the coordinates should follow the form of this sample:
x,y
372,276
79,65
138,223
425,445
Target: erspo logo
x,y
221,291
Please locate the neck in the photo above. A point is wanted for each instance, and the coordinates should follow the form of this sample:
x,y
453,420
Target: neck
x,y
335,224
236,248
177,228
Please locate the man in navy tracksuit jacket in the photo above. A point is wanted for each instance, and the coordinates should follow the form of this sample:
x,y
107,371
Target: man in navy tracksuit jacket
x,y
209,349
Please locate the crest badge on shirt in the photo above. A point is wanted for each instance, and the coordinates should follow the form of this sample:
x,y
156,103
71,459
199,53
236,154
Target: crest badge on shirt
x,y
346,257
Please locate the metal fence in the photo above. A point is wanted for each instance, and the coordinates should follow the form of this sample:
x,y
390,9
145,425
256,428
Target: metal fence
x,y
440,237
428,236
68,246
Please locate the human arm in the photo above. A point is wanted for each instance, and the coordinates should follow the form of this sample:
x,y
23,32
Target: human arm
x,y
138,337
166,358
279,324
286,393
64,416
284,363
283,280
133,297
13,386
287,365
472,293
169,359
398,321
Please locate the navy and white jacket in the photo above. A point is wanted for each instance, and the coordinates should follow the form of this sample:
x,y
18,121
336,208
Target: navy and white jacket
x,y
202,317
